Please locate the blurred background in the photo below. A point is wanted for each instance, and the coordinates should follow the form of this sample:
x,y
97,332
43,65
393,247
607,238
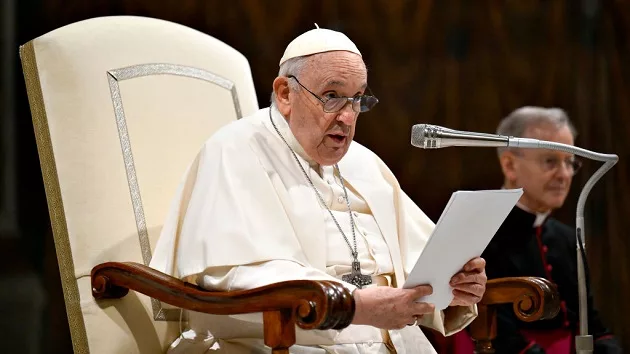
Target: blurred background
x,y
463,64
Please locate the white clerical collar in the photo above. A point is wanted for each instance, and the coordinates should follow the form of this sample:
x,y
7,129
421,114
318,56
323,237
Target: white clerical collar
x,y
286,132
540,217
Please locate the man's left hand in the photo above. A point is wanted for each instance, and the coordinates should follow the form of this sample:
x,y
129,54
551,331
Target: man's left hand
x,y
470,283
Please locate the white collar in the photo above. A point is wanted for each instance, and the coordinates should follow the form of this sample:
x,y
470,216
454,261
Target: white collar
x,y
540,217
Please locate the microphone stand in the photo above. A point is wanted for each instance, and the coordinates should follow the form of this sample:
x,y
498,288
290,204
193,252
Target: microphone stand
x,y
428,136
583,341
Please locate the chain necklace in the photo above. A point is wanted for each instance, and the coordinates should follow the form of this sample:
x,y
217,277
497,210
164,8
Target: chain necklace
x,y
355,277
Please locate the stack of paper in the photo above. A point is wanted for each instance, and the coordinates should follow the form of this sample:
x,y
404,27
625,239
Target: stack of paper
x,y
464,230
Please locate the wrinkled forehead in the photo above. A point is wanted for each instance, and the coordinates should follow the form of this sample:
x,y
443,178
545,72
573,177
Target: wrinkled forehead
x,y
338,68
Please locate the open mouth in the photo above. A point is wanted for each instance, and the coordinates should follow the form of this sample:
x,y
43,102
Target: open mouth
x,y
337,138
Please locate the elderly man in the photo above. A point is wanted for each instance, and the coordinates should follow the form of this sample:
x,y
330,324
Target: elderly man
x,y
531,243
286,194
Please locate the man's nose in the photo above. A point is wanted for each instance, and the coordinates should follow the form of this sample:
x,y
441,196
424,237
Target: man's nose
x,y
347,115
565,170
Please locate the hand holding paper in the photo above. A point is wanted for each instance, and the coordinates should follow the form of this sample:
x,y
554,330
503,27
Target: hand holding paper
x,y
469,284
464,230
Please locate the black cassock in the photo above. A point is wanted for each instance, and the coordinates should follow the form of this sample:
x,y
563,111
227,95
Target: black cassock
x,y
548,251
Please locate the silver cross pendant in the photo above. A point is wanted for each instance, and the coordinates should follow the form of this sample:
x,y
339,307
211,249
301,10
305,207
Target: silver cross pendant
x,y
356,278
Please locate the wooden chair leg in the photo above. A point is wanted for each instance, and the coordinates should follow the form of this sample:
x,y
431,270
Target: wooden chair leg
x,y
484,329
279,330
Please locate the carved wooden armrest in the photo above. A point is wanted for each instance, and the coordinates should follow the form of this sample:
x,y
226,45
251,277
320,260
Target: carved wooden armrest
x,y
309,304
532,299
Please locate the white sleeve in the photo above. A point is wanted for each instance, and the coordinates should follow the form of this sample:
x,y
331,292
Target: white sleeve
x,y
251,276
256,275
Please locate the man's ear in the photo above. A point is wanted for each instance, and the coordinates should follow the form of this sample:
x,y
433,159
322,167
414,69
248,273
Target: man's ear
x,y
507,161
281,89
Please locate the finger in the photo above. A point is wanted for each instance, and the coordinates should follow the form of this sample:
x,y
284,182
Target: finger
x,y
414,319
477,263
460,277
471,288
456,302
422,290
469,277
474,271
464,298
420,308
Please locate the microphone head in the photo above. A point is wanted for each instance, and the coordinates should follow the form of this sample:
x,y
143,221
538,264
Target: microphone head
x,y
425,136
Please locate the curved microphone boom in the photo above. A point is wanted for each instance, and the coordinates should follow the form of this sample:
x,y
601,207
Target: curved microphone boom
x,y
428,136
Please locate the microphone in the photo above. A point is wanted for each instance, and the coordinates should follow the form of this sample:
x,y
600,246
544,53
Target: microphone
x,y
428,136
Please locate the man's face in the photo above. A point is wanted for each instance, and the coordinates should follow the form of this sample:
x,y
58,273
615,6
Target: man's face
x,y
544,175
325,137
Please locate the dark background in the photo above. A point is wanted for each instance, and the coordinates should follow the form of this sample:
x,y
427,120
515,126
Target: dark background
x,y
456,63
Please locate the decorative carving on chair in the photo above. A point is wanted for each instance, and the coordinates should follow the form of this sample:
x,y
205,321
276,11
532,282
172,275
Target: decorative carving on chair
x,y
532,299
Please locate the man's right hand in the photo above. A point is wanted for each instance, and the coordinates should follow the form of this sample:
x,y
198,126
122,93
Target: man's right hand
x,y
390,308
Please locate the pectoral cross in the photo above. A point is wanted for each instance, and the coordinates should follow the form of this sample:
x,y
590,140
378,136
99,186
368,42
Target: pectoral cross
x,y
355,277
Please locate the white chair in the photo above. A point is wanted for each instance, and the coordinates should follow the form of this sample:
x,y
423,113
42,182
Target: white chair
x,y
121,106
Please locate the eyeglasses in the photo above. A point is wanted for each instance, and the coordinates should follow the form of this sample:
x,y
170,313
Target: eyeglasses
x,y
552,163
360,103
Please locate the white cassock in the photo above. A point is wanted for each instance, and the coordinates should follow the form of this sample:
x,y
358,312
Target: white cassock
x,y
245,216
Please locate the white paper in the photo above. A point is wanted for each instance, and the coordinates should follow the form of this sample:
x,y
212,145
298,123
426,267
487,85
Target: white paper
x,y
464,230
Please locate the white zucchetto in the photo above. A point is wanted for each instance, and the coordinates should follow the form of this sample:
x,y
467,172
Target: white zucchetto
x,y
318,40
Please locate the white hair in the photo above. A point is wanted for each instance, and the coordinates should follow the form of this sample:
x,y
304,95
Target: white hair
x,y
521,119
293,66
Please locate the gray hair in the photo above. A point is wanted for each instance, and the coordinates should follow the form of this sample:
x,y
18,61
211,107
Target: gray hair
x,y
521,119
293,66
